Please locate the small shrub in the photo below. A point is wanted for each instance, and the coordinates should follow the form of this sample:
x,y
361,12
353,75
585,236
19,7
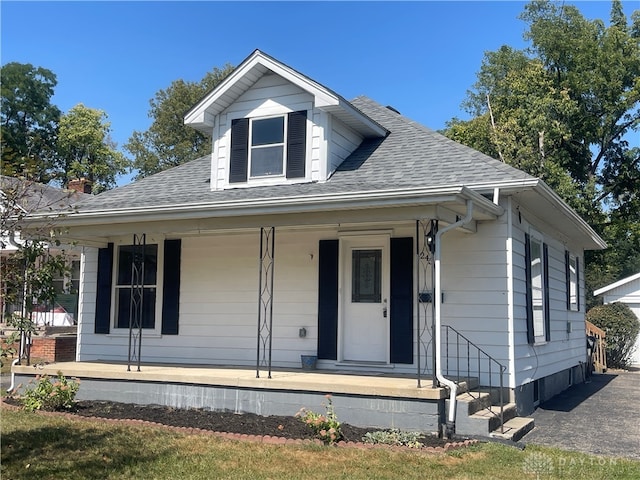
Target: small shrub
x,y
326,427
394,437
45,395
621,326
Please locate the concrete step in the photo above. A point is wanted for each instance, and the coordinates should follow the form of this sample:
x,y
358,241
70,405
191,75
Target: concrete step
x,y
514,429
467,386
490,418
468,403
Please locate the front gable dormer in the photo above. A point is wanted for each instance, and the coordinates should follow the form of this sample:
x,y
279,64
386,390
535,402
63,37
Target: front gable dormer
x,y
271,125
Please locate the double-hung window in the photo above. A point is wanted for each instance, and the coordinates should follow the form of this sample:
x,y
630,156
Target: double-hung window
x,y
123,287
267,150
572,278
268,147
537,280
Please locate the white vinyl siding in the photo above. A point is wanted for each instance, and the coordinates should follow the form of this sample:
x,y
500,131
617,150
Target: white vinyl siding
x,y
475,289
567,346
218,304
343,142
270,95
329,140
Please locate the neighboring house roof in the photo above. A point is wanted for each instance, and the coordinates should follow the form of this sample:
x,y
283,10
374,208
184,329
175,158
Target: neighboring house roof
x,y
617,284
32,196
22,197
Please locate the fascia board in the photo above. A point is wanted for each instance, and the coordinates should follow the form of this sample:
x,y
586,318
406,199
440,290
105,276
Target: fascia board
x,y
617,284
285,205
322,96
542,189
552,197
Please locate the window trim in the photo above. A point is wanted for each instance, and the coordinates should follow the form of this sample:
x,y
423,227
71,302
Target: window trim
x,y
157,324
541,334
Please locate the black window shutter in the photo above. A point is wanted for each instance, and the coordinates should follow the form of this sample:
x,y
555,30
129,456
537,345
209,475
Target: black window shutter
x,y
547,306
578,283
401,307
328,299
529,294
103,294
567,277
296,144
239,150
171,287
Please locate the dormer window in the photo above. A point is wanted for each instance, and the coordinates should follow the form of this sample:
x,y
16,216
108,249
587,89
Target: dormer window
x,y
265,147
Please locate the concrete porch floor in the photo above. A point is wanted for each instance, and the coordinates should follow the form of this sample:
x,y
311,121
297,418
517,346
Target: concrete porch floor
x,y
316,381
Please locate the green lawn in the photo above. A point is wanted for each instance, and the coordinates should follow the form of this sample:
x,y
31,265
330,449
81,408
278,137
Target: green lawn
x,y
37,446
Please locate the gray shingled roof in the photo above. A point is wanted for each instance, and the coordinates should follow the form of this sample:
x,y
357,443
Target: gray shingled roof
x,y
410,156
33,196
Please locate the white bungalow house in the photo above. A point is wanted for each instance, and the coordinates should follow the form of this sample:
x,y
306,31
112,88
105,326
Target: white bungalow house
x,y
339,229
625,291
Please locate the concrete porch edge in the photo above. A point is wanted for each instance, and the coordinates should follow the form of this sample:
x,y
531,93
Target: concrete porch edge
x,y
319,381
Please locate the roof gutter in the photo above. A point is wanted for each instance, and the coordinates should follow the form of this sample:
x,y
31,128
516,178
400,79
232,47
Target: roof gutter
x,y
279,205
453,387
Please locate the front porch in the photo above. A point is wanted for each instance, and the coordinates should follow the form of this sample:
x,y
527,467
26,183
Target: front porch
x,y
374,400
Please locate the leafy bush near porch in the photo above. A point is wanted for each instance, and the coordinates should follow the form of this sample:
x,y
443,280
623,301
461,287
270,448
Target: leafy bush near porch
x,y
621,326
47,395
394,437
326,427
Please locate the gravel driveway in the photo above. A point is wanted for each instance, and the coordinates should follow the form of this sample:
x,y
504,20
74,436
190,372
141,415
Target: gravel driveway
x,y
601,417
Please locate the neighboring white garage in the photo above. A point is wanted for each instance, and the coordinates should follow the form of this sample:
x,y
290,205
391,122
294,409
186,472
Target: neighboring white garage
x,y
626,291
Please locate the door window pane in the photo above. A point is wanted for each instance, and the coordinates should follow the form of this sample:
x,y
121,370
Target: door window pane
x,y
366,276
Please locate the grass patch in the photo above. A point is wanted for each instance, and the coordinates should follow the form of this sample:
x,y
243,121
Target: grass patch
x,y
37,446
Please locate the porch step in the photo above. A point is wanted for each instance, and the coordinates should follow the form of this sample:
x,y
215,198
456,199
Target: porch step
x,y
467,386
478,414
514,429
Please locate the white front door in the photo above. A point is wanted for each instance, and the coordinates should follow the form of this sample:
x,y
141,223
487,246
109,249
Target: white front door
x,y
365,287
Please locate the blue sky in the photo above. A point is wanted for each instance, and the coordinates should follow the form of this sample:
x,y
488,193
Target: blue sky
x,y
420,57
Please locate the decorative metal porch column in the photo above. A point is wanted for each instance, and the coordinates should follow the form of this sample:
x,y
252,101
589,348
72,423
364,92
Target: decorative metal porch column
x,y
136,305
265,299
425,247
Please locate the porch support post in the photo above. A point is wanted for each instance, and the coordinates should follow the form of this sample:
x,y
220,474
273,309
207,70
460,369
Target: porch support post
x,y
425,245
265,299
136,305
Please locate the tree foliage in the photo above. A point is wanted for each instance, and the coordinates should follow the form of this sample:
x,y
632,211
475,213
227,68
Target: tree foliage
x,y
621,326
28,121
563,111
86,149
168,142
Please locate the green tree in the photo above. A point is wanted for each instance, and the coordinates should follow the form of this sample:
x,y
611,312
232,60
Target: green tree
x,y
87,151
29,121
562,110
168,142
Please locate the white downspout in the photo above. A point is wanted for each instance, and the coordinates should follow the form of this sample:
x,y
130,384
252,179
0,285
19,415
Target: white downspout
x,y
14,243
451,417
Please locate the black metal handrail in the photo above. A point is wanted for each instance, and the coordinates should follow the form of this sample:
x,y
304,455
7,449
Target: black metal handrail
x,y
481,355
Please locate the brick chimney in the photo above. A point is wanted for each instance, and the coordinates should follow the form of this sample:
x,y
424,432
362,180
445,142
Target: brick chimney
x,y
80,185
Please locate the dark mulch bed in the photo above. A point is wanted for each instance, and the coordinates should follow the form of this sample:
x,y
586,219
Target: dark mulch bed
x,y
245,423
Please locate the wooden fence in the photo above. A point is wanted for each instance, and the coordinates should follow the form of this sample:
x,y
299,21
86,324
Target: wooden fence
x,y
598,354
